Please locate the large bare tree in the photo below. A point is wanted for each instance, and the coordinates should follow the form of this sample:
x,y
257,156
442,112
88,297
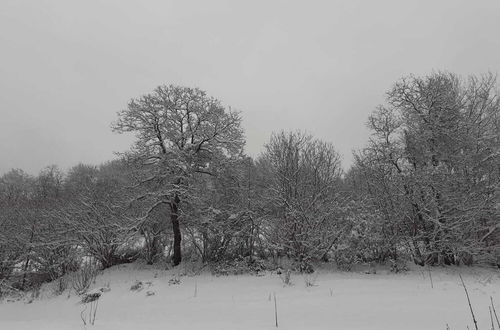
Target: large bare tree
x,y
180,131
431,166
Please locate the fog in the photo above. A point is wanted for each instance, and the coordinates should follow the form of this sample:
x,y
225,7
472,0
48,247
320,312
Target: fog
x,y
67,67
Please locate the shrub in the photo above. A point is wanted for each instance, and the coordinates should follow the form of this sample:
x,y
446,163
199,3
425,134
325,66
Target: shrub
x,y
310,279
239,266
345,259
286,277
61,285
398,266
84,277
305,265
137,286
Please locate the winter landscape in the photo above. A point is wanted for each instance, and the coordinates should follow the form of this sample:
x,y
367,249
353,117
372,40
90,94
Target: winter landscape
x,y
336,300
216,165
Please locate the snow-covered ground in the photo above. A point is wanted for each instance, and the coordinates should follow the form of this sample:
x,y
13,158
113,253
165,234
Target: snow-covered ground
x,y
339,300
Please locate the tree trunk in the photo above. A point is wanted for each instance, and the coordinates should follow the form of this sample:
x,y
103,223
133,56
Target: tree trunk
x,y
27,263
174,217
25,271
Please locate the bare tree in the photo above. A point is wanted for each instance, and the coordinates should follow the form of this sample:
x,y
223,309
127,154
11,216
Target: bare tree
x,y
307,215
95,212
29,238
433,161
180,131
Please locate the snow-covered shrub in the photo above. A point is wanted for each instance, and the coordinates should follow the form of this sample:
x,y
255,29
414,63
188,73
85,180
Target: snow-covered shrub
x,y
128,252
371,238
56,260
285,276
398,266
305,210
96,212
7,265
175,280
91,296
137,286
239,266
192,268
6,290
35,291
220,234
154,241
345,259
90,299
84,277
310,279
305,265
61,284
152,233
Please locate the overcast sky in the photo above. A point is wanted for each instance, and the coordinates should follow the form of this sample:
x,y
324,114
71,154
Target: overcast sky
x,y
67,67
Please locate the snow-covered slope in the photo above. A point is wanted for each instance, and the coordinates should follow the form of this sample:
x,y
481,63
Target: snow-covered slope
x,y
338,300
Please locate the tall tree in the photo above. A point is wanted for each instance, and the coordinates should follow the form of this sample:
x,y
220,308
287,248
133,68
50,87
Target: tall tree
x,y
180,131
95,210
436,148
305,203
16,220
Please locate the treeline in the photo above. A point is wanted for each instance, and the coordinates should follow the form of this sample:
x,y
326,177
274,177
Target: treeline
x,y
430,173
425,188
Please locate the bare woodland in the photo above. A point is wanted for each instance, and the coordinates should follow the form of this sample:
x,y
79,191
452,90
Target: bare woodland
x,y
424,189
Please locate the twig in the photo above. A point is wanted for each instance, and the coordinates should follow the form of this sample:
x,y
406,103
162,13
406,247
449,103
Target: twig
x,y
494,312
195,288
82,317
468,299
430,276
491,318
275,310
95,311
90,311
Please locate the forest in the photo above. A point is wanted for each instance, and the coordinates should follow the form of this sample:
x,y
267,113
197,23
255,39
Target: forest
x,y
425,189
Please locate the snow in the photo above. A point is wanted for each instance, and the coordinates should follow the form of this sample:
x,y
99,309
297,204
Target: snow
x,y
338,300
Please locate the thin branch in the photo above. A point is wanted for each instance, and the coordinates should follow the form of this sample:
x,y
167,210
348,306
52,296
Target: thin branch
x,y
468,300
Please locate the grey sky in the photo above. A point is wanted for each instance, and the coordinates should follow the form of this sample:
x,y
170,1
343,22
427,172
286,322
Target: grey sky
x,y
67,67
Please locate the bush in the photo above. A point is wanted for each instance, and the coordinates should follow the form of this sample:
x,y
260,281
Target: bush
x,y
286,276
398,266
239,266
84,277
345,259
310,279
60,285
29,280
305,265
7,290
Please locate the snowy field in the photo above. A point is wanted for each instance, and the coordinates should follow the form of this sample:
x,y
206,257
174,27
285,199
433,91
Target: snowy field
x,y
338,300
